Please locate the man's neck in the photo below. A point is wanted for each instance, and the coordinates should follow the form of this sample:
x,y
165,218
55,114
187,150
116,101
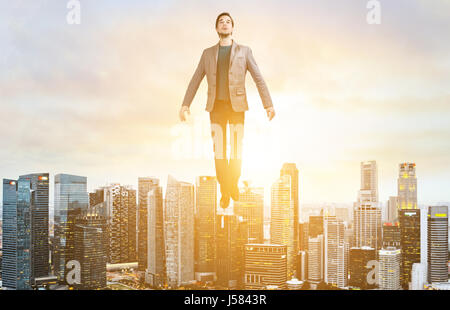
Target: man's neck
x,y
225,41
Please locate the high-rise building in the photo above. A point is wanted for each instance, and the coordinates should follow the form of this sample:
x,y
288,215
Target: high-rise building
x,y
120,204
71,200
302,263
359,267
16,257
315,225
392,209
98,204
409,242
335,252
366,210
391,235
265,264
367,225
282,219
369,182
389,269
418,276
407,186
424,238
231,236
437,244
291,170
145,184
156,256
315,259
205,228
91,242
179,232
251,207
39,224
303,231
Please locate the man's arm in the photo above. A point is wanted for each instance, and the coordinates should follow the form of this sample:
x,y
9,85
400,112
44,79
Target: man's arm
x,y
259,81
195,82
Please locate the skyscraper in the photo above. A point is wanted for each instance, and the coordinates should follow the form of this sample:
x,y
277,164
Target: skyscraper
x,y
437,244
418,276
366,211
407,186
302,265
369,182
90,250
303,231
251,207
39,224
335,252
156,266
391,235
120,204
392,209
315,259
367,225
231,236
71,200
179,232
409,242
389,269
291,170
205,228
265,264
282,220
315,225
16,259
359,266
145,184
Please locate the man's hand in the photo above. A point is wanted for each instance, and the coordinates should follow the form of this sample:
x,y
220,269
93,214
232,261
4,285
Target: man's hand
x,y
182,111
270,113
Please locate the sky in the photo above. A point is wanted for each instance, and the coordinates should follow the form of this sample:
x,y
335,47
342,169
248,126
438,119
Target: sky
x,y
101,99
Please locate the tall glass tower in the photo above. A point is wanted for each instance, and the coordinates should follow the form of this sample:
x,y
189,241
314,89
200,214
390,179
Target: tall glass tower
x,y
291,169
205,230
71,200
145,185
16,263
39,223
179,232
282,219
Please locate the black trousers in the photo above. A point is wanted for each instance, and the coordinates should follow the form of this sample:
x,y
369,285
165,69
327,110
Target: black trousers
x,y
227,172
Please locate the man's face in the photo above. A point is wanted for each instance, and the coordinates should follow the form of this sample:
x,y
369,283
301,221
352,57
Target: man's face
x,y
224,26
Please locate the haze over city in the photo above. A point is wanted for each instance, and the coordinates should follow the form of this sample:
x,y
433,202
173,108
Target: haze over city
x,y
100,99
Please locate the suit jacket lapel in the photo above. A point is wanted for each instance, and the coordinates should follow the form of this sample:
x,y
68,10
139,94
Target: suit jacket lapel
x,y
233,53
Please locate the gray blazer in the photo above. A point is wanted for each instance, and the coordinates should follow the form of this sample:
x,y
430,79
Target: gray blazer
x,y
241,60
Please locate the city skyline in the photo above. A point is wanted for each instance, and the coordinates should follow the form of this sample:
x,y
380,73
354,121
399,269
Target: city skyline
x,y
267,192
98,232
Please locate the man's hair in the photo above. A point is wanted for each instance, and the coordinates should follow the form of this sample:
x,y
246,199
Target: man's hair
x,y
224,14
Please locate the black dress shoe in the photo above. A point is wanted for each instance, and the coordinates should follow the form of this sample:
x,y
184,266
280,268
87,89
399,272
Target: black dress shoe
x,y
235,192
224,201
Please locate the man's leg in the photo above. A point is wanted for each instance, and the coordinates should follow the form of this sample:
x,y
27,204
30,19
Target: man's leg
x,y
219,135
234,167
